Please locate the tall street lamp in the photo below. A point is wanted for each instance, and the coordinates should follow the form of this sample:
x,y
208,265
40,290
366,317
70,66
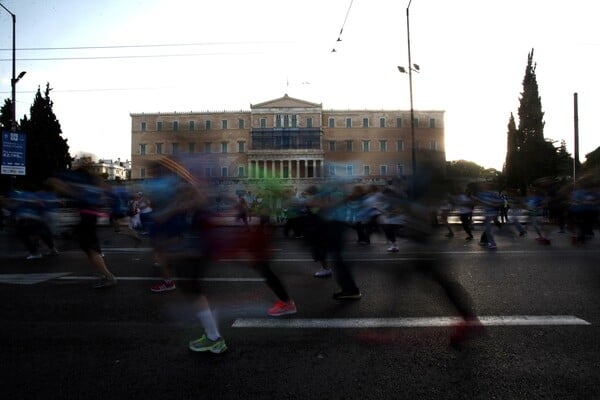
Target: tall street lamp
x,y
14,80
411,67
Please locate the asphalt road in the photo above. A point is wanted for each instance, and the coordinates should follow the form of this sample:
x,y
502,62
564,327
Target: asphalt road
x,y
63,340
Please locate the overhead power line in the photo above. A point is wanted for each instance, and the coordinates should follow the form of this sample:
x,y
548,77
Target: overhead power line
x,y
132,56
133,46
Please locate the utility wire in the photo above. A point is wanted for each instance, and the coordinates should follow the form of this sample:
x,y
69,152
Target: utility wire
x,y
132,46
132,56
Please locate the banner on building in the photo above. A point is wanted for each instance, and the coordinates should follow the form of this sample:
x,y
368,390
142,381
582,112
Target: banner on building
x,y
13,153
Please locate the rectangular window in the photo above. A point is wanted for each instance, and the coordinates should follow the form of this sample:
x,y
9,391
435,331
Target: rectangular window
x,y
416,122
143,126
433,145
159,126
207,125
263,122
382,122
241,124
159,148
174,148
366,170
332,145
398,122
331,122
400,169
432,122
224,171
241,147
207,147
142,173
240,172
191,148
331,169
383,145
349,147
400,145
294,121
278,121
383,170
175,125
309,122
208,172
143,149
365,122
224,124
224,147
191,125
348,122
366,145
349,170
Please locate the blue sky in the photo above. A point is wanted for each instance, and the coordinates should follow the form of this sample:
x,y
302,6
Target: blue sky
x,y
102,61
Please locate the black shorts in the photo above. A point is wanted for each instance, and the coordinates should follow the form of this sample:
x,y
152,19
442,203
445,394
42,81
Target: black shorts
x,y
86,231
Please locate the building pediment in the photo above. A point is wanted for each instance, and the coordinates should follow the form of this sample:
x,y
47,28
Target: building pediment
x,y
286,102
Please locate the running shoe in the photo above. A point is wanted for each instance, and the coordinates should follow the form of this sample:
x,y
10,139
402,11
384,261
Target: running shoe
x,y
53,252
492,246
205,344
34,256
105,282
323,273
282,308
163,286
393,248
347,295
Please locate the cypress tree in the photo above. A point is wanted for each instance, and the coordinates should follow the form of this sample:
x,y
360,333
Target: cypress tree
x,y
47,151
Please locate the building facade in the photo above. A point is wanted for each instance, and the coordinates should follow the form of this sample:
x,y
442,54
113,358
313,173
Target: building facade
x,y
108,169
290,139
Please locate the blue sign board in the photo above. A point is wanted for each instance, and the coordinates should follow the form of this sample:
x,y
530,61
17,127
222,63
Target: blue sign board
x,y
13,153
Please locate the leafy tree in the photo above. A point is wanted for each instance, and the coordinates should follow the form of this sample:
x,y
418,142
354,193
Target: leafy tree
x,y
592,160
47,151
6,114
464,169
564,160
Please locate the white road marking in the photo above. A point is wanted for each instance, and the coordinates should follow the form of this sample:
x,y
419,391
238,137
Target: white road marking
x,y
30,279
155,278
359,323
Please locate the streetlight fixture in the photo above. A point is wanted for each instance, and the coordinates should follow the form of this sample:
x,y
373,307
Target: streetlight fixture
x,y
14,80
411,67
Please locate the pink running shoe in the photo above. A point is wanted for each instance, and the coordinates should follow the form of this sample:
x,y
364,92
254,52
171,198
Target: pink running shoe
x,y
282,308
163,286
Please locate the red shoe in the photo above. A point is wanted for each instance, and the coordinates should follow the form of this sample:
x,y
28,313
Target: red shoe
x,y
282,308
164,286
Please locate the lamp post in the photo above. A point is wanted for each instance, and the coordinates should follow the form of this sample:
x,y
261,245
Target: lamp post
x,y
14,80
411,67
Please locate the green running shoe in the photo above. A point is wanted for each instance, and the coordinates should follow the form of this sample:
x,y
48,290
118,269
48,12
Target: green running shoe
x,y
205,344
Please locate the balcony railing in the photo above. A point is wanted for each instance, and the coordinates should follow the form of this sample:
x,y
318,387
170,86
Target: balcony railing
x,y
286,139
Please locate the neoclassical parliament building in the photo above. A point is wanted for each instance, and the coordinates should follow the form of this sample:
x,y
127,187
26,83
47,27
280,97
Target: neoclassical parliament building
x,y
290,139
